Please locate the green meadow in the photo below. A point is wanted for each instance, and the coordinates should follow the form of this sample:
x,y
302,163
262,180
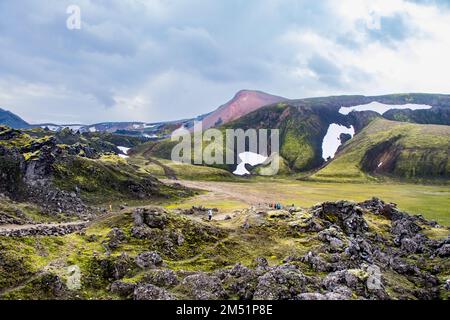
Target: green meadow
x,y
432,201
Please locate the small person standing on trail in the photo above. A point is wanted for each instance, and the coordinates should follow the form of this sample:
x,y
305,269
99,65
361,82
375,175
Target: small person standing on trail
x,y
209,214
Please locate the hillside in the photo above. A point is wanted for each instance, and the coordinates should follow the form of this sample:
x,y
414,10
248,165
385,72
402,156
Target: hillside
x,y
10,119
311,130
395,149
66,178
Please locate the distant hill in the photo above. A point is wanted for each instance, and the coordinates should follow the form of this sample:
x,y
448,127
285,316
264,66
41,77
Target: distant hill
x,y
10,119
309,140
389,148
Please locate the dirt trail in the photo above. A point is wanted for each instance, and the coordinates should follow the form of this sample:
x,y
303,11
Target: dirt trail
x,y
235,191
168,172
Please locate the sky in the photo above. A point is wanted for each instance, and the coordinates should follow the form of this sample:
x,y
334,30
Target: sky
x,y
157,60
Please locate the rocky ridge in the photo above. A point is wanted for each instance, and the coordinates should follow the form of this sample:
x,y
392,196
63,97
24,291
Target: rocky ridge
x,y
342,250
351,261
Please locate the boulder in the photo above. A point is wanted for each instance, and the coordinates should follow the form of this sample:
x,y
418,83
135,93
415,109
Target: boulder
x,y
53,285
443,251
347,215
281,283
202,286
116,237
122,289
148,260
404,228
151,292
161,278
316,262
151,217
241,281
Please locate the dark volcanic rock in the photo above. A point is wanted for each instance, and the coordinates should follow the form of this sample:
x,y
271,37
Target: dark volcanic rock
x,y
280,283
148,260
377,206
52,285
116,237
404,228
202,286
242,281
151,292
444,251
153,218
44,230
164,278
122,289
345,214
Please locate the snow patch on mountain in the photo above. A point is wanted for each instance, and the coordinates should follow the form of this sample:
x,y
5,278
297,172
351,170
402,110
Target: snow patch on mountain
x,y
124,149
51,128
74,127
332,140
250,158
381,108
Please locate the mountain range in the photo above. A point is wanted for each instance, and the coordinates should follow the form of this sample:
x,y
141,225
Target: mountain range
x,y
400,135
404,136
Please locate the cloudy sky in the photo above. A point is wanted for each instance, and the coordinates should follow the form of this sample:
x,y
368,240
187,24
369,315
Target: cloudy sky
x,y
153,60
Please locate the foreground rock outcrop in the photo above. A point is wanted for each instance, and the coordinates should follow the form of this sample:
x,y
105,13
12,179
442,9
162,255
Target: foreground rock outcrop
x,y
361,260
332,251
62,179
43,230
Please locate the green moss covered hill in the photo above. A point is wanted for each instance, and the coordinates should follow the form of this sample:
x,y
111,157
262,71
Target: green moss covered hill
x,y
40,166
393,149
304,123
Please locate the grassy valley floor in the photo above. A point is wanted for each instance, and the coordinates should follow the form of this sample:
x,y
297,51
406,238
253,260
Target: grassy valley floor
x,y
431,201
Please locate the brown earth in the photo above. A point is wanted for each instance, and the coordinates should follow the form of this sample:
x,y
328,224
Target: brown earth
x,y
243,103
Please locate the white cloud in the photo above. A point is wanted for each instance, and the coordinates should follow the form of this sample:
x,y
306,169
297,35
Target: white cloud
x,y
417,63
161,59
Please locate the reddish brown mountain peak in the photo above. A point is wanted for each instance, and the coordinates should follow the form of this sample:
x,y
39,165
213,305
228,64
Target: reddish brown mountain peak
x,y
244,102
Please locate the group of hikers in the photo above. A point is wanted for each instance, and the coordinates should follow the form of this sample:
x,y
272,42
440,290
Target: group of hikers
x,y
276,206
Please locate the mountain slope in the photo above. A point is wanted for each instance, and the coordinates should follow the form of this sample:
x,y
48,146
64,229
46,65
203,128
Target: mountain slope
x,y
389,148
62,177
305,123
11,120
243,103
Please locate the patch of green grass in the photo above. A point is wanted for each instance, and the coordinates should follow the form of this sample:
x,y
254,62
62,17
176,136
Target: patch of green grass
x,y
109,179
223,205
31,211
181,170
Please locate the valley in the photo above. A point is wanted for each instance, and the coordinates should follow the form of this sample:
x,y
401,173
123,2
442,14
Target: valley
x,y
362,206
431,201
236,157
